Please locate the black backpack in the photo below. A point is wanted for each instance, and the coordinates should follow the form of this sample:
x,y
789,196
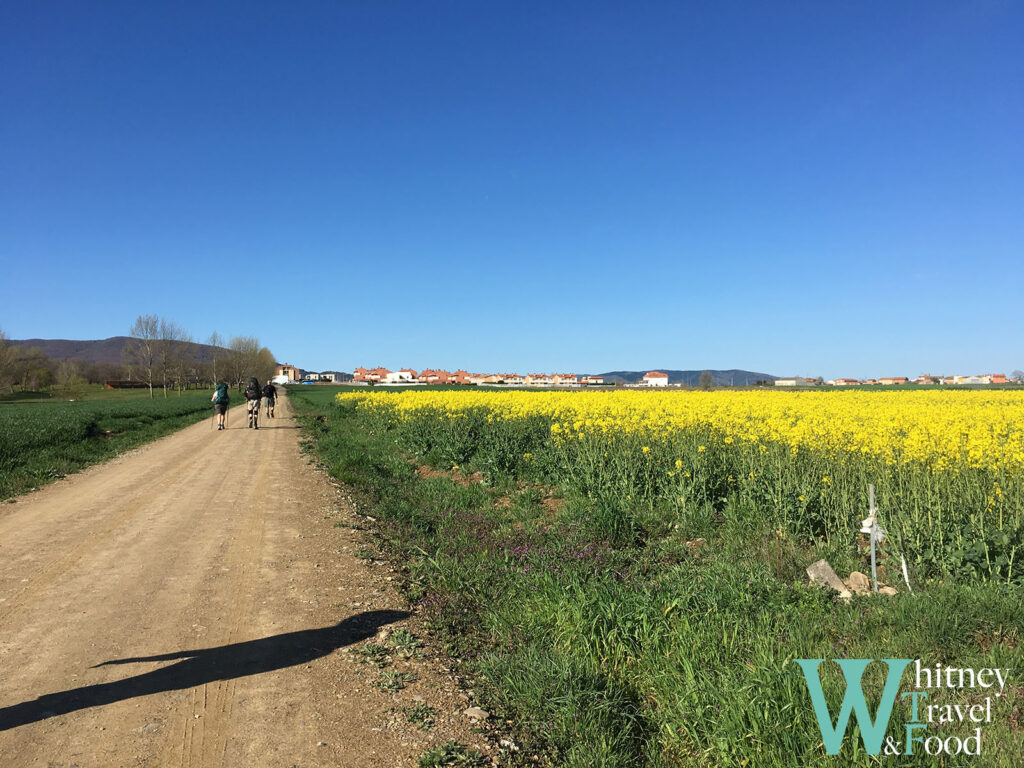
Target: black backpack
x,y
252,391
269,392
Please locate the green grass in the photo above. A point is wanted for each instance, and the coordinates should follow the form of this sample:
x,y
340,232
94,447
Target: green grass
x,y
42,441
421,715
393,681
452,754
643,649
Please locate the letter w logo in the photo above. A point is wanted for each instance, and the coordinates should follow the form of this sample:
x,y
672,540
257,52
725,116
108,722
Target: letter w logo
x,y
871,730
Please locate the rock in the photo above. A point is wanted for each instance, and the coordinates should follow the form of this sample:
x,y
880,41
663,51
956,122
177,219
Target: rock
x,y
859,583
887,591
821,573
476,713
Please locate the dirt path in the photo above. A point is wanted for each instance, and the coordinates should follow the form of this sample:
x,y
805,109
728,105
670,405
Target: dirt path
x,y
193,604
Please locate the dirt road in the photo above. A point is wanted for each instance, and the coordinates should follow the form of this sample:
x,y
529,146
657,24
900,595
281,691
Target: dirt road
x,y
193,604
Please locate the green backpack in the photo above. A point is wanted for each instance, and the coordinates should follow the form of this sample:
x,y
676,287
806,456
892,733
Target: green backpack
x,y
221,397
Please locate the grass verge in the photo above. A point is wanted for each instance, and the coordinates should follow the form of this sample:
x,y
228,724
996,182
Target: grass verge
x,y
44,441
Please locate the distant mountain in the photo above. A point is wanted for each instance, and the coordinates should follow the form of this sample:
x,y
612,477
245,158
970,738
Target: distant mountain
x,y
99,351
732,377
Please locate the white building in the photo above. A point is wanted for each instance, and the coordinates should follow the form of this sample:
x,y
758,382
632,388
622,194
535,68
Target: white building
x,y
655,379
405,376
794,381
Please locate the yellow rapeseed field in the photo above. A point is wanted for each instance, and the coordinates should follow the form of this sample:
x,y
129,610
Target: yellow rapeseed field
x,y
947,465
943,430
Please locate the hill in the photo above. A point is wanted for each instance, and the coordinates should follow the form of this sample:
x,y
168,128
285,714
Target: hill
x,y
98,351
731,377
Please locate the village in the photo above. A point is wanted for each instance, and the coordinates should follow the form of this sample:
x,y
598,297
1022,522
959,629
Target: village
x,y
290,374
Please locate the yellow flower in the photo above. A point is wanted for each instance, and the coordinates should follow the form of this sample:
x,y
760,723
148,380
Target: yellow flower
x,y
646,449
679,463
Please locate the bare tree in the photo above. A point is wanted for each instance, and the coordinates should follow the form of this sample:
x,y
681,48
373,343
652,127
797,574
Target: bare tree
x,y
1018,376
183,355
216,341
69,376
142,352
707,380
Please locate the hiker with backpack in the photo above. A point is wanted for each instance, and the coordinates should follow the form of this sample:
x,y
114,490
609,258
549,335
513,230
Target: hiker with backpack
x,y
269,396
220,401
252,402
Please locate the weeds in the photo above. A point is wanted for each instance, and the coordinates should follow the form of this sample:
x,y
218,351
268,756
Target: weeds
x,y
452,753
421,715
393,681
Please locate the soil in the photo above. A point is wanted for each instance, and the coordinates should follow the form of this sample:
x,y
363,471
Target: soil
x,y
193,603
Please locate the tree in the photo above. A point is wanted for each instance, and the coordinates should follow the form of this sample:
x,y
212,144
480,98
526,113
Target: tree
x,y
8,355
1018,376
217,342
143,351
69,376
707,380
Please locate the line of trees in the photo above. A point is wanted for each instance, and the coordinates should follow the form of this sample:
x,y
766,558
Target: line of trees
x,y
30,369
161,354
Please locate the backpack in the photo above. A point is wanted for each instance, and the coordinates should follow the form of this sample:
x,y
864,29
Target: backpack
x,y
269,392
221,396
252,391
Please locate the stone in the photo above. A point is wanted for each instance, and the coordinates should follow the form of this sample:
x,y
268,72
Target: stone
x,y
821,573
887,591
476,713
859,583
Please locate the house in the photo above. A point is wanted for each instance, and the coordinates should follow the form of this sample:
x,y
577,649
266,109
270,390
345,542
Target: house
x,y
290,372
514,380
404,376
988,378
846,382
592,381
311,376
889,380
538,380
335,376
430,376
374,374
565,380
655,379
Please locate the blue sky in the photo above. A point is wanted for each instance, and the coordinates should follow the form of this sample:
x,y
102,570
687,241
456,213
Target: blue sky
x,y
830,189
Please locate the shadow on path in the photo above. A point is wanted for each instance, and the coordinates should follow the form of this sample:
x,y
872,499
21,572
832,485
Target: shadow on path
x,y
203,666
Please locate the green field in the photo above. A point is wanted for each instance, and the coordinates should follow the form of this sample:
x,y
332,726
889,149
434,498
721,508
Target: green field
x,y
45,439
660,650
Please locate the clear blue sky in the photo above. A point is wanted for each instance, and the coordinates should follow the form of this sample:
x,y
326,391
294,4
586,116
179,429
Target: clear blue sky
x,y
819,188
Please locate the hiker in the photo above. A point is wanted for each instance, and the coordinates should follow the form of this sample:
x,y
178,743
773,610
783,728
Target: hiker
x,y
270,395
220,401
252,402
